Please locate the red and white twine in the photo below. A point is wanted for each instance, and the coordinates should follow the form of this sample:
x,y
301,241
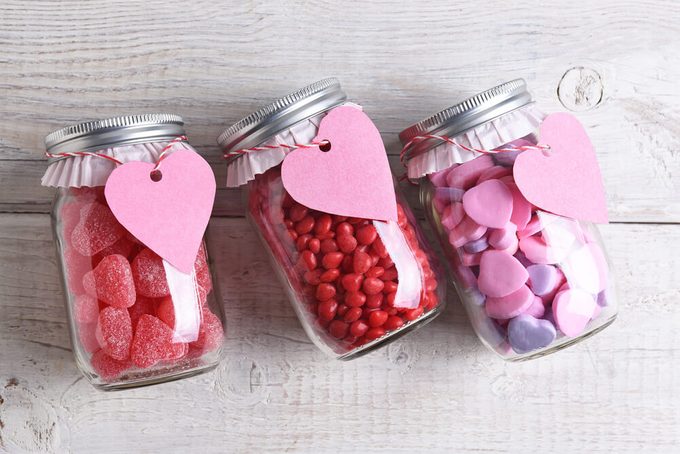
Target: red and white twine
x,y
416,139
73,154
285,146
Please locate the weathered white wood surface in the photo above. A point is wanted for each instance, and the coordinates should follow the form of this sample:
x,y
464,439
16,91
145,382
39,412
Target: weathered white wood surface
x,y
614,62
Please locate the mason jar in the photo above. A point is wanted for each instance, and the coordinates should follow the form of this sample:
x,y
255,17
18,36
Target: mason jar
x,y
134,319
356,284
532,282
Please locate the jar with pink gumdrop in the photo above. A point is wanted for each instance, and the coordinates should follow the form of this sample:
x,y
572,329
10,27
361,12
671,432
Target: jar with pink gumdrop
x,y
532,281
134,319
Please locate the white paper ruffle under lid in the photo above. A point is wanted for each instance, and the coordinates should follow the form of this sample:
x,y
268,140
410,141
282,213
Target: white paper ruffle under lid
x,y
91,171
246,167
487,136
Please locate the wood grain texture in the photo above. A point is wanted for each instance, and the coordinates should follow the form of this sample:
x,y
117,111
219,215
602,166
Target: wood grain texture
x,y
615,63
215,61
437,389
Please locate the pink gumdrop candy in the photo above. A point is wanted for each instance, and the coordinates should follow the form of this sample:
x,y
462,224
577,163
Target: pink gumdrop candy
x,y
123,247
572,310
503,238
96,230
153,342
166,311
467,230
210,335
452,215
143,305
500,274
88,337
511,305
85,309
466,174
106,367
114,332
489,204
76,266
149,274
111,281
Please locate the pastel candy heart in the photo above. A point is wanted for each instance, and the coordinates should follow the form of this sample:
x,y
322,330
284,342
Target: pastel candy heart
x,y
572,310
521,208
355,171
536,250
494,173
169,215
466,174
527,333
449,195
465,276
438,179
537,308
565,180
500,274
543,279
511,305
469,259
476,246
489,204
466,230
503,238
452,215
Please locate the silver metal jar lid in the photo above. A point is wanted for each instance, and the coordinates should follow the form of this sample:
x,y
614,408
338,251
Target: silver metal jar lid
x,y
461,117
115,131
282,114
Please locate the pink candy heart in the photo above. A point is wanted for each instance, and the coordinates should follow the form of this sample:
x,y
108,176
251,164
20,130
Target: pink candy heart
x,y
489,204
169,215
565,180
353,178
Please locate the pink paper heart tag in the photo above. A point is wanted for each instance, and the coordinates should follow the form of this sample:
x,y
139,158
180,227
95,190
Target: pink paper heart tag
x,y
169,215
352,178
566,179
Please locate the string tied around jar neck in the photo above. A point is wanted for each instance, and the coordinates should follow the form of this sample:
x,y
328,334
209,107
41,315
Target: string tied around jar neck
x,y
163,154
445,139
324,145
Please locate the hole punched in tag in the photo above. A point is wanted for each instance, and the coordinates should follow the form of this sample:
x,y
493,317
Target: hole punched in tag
x,y
156,175
325,146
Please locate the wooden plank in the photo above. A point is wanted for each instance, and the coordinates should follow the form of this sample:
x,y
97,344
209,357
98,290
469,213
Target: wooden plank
x,y
65,64
437,389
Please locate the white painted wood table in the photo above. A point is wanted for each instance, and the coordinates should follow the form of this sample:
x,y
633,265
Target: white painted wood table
x,y
615,63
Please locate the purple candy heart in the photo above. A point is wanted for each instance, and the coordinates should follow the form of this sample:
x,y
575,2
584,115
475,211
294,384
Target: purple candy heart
x,y
526,333
542,278
602,298
476,246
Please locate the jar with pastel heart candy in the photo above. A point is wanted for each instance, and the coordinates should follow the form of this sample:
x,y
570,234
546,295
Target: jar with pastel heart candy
x,y
514,196
141,301
344,244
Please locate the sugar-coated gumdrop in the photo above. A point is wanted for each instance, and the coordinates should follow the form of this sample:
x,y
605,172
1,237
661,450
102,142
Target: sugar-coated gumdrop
x,y
106,367
111,281
149,274
152,342
210,334
123,247
143,305
87,337
166,311
114,332
85,309
96,230
76,266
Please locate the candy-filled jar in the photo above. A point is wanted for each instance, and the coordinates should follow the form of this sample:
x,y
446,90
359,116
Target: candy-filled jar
x,y
134,318
532,281
355,283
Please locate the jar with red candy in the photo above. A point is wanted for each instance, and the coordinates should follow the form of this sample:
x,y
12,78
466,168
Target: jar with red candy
x,y
134,318
514,196
355,282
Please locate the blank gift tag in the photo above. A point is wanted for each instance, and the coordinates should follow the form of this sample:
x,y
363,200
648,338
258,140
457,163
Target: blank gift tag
x,y
169,215
350,175
566,179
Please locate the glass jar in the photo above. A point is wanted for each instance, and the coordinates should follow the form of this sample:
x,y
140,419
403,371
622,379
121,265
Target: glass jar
x,y
134,319
533,284
355,284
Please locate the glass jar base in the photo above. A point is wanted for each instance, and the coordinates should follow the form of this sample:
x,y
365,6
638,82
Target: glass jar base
x,y
406,329
149,381
560,345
